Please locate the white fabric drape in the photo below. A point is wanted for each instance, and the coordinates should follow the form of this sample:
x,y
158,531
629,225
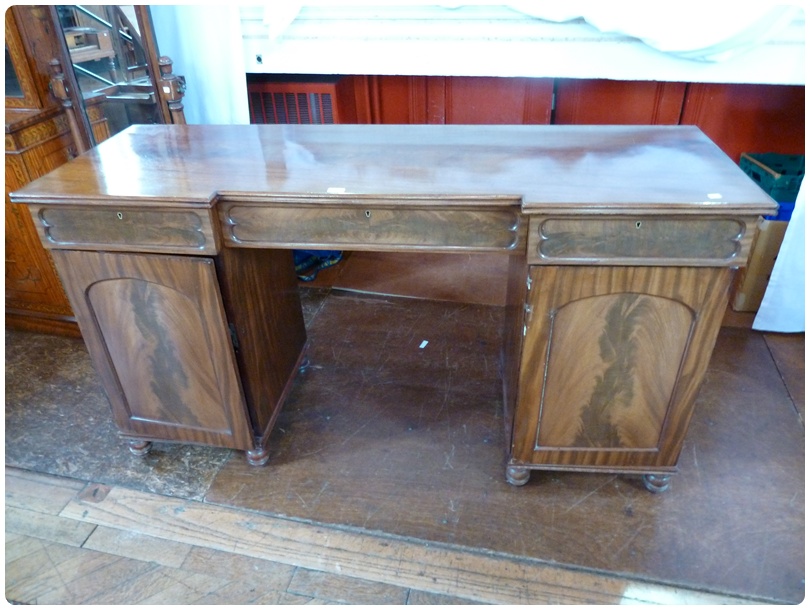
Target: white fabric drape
x,y
716,32
205,44
710,42
782,308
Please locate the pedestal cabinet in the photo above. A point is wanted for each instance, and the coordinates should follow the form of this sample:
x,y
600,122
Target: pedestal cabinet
x,y
166,349
612,361
621,313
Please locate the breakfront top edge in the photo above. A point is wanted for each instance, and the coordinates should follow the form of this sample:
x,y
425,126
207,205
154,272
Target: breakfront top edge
x,y
605,169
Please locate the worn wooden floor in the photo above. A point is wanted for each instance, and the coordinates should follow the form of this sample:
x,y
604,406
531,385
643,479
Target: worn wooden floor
x,y
198,526
72,542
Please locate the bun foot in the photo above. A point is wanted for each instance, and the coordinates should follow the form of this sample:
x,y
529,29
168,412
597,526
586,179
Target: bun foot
x,y
258,457
139,448
656,483
517,475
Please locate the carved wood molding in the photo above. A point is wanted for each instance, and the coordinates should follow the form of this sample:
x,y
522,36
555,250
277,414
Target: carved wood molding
x,y
28,137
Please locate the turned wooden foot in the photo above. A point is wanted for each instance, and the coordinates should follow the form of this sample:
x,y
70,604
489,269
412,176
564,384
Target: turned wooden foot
x,y
258,456
139,448
517,475
656,483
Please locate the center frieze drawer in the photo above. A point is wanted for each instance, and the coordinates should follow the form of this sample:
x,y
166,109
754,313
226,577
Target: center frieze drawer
x,y
187,231
377,227
639,240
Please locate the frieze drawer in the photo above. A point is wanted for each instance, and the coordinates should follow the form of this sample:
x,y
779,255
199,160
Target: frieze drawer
x,y
189,231
377,228
642,240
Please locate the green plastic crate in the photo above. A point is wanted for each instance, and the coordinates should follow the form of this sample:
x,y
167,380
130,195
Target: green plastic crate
x,y
778,175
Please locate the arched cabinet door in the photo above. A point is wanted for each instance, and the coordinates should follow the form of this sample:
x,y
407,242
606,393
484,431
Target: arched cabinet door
x,y
612,360
158,336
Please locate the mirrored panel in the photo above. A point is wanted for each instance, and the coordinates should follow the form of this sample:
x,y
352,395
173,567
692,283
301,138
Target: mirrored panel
x,y
111,66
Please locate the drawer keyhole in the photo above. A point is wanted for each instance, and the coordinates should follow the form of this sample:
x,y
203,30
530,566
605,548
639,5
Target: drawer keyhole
x,y
120,215
638,224
368,213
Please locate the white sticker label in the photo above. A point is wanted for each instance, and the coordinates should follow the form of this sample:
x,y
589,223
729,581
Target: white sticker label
x,y
336,190
715,196
423,345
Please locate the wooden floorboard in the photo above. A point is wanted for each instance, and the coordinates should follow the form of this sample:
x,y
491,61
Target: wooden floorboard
x,y
39,492
117,546
47,527
138,546
309,561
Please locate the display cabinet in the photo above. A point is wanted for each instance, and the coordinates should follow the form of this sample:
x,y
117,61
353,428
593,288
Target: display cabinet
x,y
50,119
38,139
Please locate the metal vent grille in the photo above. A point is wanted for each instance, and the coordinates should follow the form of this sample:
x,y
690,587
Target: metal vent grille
x,y
298,103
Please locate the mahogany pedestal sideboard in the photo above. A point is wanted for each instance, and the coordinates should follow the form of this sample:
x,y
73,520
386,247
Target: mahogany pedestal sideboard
x,y
174,246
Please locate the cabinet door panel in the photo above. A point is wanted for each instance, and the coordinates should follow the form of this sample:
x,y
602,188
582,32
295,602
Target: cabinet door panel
x,y
150,334
157,333
608,382
612,361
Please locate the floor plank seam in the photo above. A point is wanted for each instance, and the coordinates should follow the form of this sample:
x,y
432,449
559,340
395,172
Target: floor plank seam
x,y
491,554
523,561
784,380
393,581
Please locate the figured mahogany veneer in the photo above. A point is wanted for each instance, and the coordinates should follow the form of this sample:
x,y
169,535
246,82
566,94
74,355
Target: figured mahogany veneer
x,y
622,244
156,329
612,362
155,230
629,240
387,225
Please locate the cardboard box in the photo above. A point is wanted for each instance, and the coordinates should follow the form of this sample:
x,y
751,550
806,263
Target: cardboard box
x,y
753,279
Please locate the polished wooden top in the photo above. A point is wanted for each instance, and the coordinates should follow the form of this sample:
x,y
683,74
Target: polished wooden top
x,y
547,168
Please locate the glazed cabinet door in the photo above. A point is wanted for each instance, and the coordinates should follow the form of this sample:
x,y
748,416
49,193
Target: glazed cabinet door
x,y
612,360
156,330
